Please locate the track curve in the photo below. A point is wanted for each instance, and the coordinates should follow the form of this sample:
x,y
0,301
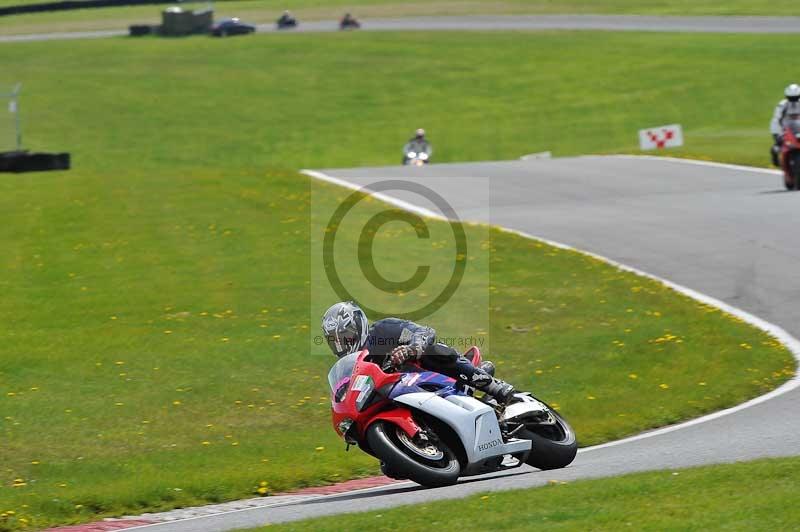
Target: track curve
x,y
718,229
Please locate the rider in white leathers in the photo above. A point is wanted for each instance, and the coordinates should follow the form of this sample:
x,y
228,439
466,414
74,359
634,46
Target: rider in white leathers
x,y
787,106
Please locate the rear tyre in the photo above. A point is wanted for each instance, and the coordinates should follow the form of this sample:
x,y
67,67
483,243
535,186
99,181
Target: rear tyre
x,y
431,465
552,446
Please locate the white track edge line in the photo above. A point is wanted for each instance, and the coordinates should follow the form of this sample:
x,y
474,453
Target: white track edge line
x,y
695,162
789,341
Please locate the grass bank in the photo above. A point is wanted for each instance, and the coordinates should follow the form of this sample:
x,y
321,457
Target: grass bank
x,y
252,102
155,312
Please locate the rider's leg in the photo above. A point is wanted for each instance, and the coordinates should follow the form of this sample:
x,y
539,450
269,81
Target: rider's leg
x,y
776,149
447,361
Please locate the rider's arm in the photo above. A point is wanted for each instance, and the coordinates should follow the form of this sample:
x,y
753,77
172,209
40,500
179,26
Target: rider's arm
x,y
775,125
389,333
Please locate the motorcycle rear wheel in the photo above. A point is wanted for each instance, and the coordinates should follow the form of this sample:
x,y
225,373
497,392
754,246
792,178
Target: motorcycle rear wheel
x,y
441,469
552,446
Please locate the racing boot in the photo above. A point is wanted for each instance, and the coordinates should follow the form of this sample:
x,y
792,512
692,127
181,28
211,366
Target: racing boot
x,y
487,366
500,390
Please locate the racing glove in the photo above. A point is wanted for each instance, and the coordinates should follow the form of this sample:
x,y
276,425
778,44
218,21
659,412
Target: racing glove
x,y
403,353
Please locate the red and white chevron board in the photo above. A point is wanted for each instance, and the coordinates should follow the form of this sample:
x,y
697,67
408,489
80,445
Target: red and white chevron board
x,y
656,138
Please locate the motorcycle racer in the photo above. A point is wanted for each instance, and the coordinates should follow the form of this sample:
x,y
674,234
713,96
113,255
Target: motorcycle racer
x,y
347,330
418,144
789,105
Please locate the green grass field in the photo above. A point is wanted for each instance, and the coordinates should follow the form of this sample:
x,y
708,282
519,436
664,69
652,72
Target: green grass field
x,y
266,11
155,311
707,498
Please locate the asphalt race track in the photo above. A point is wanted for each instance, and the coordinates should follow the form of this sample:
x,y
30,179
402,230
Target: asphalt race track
x,y
728,232
504,23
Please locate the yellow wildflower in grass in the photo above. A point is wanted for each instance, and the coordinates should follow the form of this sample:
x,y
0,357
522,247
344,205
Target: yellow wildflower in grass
x,y
663,386
206,443
633,376
176,403
320,449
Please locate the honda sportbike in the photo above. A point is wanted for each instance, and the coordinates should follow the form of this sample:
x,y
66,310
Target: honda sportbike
x,y
426,427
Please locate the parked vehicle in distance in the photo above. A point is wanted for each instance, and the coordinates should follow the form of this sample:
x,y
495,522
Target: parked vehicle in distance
x,y
231,26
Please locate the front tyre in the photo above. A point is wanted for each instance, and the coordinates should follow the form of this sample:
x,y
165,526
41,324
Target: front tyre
x,y
426,463
552,446
792,182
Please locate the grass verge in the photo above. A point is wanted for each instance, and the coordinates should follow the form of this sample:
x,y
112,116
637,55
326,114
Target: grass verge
x,y
155,310
706,498
480,96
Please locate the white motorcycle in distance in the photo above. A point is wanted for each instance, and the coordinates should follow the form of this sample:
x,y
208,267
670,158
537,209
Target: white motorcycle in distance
x,y
416,155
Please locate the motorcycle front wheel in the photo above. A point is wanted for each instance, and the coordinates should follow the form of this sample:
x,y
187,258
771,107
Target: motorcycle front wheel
x,y
425,462
552,446
794,166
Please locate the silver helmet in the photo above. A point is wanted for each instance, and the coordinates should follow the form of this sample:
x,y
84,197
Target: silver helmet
x,y
345,328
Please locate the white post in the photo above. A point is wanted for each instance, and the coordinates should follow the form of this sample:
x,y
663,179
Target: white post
x,y
15,101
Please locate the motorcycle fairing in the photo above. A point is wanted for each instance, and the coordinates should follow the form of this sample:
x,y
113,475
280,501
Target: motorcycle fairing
x,y
424,381
474,422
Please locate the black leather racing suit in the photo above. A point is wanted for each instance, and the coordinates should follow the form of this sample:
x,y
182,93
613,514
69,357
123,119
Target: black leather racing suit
x,y
386,334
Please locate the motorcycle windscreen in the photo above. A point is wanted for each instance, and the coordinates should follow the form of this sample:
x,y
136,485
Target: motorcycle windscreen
x,y
340,373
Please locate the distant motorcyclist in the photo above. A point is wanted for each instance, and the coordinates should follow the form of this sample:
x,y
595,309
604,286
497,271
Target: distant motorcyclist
x,y
347,330
349,21
788,106
286,20
417,144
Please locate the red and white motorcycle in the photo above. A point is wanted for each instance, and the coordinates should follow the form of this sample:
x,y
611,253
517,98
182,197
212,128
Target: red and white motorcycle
x,y
790,152
425,427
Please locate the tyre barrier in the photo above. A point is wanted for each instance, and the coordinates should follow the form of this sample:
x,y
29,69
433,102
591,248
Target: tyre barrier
x,y
68,5
23,161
